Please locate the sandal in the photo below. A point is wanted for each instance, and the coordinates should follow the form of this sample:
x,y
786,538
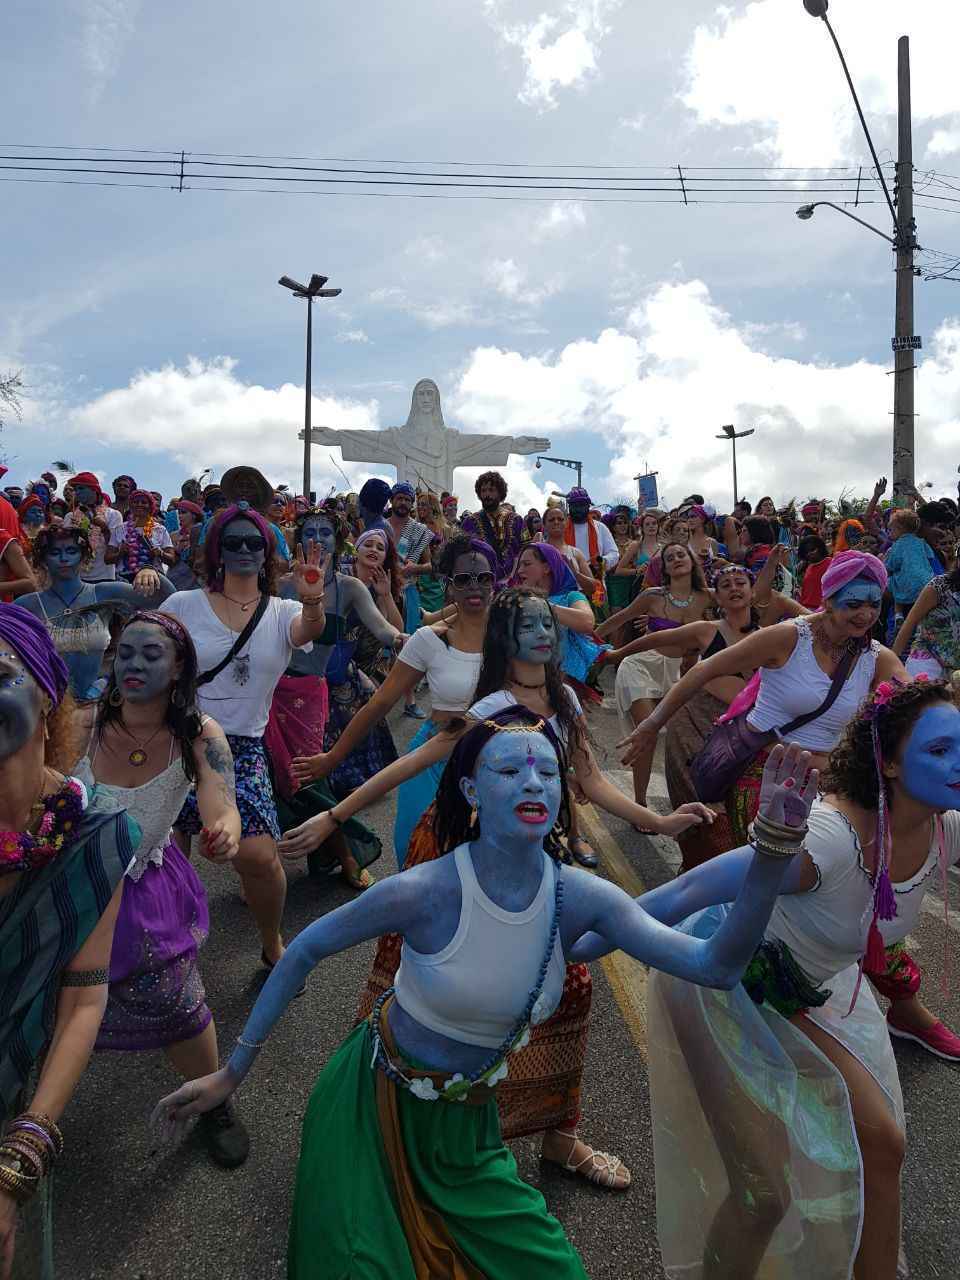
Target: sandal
x,y
582,851
362,880
602,1170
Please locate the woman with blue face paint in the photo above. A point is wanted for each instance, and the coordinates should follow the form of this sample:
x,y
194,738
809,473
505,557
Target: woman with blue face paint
x,y
430,1189
78,614
519,666
245,637
327,679
150,745
778,1115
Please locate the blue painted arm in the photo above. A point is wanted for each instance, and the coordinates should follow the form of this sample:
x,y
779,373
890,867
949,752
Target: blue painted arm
x,y
718,961
387,907
719,880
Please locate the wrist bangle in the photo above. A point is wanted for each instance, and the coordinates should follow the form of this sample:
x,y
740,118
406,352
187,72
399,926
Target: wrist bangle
x,y
250,1044
337,822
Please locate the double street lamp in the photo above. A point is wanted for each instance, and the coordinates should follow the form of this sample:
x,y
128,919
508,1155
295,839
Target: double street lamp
x,y
904,243
733,435
315,289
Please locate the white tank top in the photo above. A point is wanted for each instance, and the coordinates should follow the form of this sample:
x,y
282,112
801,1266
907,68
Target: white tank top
x,y
800,685
476,988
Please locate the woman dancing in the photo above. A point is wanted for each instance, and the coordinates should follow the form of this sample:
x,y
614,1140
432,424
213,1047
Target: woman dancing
x,y
63,853
778,1118
429,1188
150,746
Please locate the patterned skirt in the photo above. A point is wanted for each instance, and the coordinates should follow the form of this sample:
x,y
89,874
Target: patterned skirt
x,y
374,753
156,995
258,809
544,1086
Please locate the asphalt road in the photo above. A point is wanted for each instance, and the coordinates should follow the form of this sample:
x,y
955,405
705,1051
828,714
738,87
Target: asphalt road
x,y
126,1212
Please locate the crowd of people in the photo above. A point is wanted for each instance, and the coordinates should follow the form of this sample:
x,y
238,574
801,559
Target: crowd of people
x,y
212,676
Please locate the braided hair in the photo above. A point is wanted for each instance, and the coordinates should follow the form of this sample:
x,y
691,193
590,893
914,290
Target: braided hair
x,y
454,821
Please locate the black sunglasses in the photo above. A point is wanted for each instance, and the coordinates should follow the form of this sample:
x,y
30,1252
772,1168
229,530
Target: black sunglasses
x,y
463,580
239,541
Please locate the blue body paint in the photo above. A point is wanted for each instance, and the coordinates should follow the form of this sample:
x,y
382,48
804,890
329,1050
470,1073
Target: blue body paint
x,y
930,761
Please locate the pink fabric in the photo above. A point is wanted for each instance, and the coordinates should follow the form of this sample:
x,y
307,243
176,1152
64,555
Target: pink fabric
x,y
853,564
298,717
744,699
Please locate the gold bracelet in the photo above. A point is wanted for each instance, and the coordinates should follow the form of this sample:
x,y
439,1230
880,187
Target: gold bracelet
x,y
778,830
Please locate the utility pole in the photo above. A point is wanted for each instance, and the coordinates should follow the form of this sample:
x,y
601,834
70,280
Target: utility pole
x,y
310,292
905,343
733,435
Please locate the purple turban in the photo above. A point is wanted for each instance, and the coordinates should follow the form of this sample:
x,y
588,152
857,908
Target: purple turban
x,y
578,495
30,639
561,576
853,564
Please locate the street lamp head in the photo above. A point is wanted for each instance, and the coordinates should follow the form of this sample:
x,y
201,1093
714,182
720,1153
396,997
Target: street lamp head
x,y
289,283
816,8
805,212
538,465
729,430
326,293
317,283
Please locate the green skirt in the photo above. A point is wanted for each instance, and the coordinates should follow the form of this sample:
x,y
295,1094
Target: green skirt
x,y
316,798
620,591
345,1223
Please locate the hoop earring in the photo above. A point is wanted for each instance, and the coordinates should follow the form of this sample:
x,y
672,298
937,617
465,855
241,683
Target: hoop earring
x,y
116,698
178,699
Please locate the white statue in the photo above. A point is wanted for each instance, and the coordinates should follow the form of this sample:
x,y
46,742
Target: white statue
x,y
424,450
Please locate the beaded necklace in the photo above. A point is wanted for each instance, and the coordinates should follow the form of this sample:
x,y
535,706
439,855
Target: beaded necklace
x,y
495,1067
24,851
139,553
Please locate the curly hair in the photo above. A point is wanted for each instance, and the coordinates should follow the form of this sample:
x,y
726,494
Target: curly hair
x,y
64,738
44,541
851,770
336,520
500,642
494,478
181,717
213,558
452,815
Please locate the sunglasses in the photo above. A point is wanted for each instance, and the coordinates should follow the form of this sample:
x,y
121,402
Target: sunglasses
x,y
463,580
239,541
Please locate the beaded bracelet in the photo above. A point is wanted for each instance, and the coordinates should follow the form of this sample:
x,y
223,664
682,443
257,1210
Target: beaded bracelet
x,y
779,830
250,1044
762,844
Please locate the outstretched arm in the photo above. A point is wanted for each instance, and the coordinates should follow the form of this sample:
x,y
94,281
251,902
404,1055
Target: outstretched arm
x,y
693,637
755,878
635,609
925,601
600,791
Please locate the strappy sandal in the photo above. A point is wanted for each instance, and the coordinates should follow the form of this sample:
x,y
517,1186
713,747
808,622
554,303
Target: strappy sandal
x,y
363,880
597,1167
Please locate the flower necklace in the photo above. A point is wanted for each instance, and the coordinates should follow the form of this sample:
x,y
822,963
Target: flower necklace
x,y
60,813
139,546
494,1069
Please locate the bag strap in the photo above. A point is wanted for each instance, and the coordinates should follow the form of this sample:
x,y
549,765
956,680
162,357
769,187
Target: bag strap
x,y
836,684
206,676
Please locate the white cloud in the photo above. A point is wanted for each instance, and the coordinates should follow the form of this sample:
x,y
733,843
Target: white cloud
x,y
561,218
351,335
438,314
769,66
106,29
636,122
559,51
945,142
204,415
510,280
659,390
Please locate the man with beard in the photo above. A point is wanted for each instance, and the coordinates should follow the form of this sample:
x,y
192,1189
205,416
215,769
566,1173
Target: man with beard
x,y
501,530
591,537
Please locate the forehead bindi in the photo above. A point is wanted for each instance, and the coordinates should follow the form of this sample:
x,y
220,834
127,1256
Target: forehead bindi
x,y
514,750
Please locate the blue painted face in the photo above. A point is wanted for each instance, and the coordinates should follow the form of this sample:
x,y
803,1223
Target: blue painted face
x,y
321,532
860,593
146,664
536,633
930,760
63,558
516,788
245,561
86,496
32,519
21,700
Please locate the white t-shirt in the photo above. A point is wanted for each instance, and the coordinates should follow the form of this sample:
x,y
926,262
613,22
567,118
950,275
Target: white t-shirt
x,y
241,709
451,673
826,929
499,701
98,571
606,544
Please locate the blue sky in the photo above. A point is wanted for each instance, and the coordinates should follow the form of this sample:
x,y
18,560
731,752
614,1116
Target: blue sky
x,y
154,339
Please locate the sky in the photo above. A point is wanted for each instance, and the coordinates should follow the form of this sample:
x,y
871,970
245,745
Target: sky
x,y
153,338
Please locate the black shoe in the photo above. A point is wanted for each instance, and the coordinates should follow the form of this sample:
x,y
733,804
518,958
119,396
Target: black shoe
x,y
225,1136
269,966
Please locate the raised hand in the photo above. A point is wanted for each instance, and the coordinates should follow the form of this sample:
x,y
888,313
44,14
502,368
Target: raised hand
x,y
147,582
172,1114
788,787
299,841
309,572
880,488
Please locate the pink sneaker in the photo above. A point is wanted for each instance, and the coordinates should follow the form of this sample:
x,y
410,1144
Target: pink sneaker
x,y
936,1039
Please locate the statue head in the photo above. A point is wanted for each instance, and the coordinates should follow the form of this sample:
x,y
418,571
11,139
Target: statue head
x,y
425,405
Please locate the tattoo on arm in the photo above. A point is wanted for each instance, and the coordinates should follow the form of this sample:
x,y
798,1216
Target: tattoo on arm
x,y
220,761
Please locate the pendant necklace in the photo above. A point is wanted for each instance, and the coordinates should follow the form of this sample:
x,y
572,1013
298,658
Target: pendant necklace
x,y
679,604
244,604
138,756
833,651
68,604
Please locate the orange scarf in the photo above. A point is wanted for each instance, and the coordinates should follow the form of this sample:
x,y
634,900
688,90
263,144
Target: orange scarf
x,y
593,554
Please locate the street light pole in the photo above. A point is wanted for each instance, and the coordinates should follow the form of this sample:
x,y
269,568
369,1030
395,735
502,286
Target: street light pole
x,y
310,292
572,463
730,433
904,241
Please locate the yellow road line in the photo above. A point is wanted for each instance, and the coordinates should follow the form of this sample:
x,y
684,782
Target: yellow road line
x,y
627,977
